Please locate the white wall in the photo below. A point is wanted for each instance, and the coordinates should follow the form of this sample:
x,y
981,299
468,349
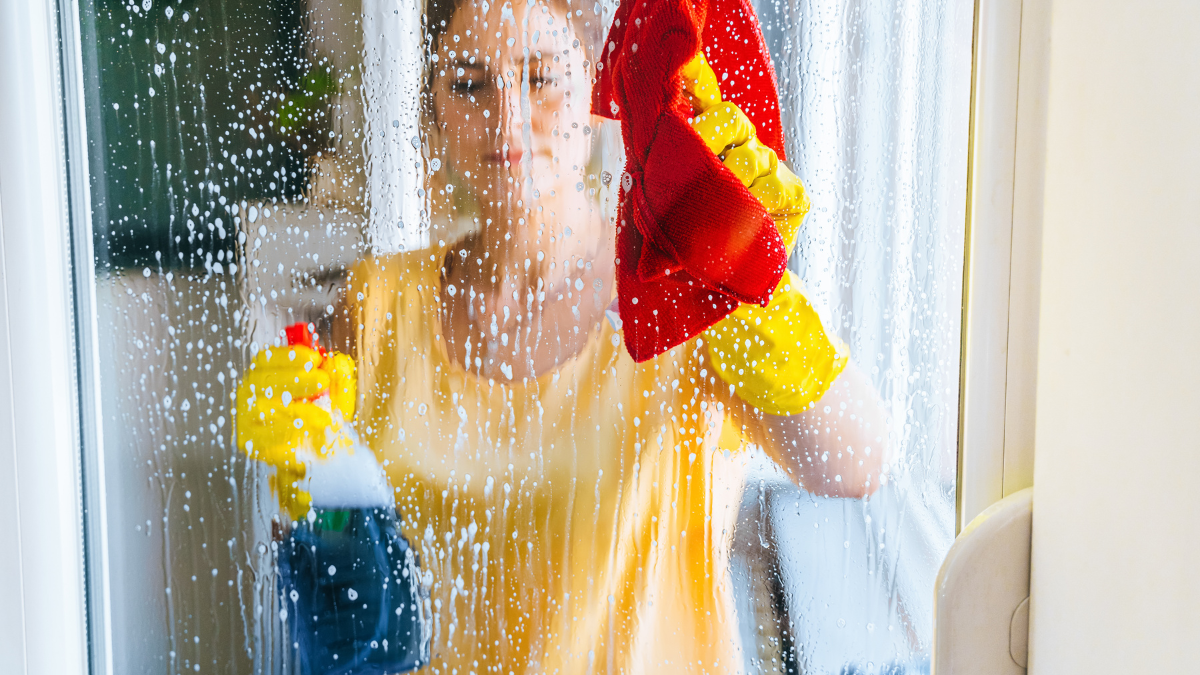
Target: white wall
x,y
1116,538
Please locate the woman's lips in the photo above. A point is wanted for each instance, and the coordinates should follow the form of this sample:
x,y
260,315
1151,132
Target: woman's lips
x,y
513,157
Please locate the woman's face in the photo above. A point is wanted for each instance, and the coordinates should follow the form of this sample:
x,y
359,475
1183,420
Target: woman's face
x,y
511,97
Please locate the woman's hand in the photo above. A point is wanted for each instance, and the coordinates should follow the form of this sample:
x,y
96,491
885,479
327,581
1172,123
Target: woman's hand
x,y
730,135
778,359
276,413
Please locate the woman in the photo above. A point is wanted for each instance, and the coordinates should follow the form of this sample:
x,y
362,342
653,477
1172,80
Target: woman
x,y
567,502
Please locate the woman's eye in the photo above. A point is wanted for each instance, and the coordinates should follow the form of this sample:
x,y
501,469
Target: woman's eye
x,y
466,86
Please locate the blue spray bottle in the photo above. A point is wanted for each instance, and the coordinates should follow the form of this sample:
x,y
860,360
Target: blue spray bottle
x,y
349,579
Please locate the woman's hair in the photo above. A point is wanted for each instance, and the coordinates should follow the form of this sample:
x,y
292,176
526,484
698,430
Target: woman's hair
x,y
584,21
586,24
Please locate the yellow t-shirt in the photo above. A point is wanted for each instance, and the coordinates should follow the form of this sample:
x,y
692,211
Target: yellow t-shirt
x,y
572,523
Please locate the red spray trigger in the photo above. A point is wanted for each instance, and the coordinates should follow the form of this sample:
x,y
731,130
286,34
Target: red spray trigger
x,y
299,334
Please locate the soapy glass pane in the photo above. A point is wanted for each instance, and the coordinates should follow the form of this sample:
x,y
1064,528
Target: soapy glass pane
x,y
875,100
429,193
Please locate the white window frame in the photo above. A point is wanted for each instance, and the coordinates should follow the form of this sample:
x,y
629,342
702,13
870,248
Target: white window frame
x,y
42,582
1002,270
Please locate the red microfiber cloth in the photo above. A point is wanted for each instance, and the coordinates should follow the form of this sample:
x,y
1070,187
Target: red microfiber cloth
x,y
692,242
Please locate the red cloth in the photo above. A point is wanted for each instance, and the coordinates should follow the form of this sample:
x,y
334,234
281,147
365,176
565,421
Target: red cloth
x,y
692,242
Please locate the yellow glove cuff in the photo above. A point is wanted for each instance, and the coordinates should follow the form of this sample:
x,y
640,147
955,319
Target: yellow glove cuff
x,y
777,358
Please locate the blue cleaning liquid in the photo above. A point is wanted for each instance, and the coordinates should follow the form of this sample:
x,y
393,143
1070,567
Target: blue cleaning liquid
x,y
354,597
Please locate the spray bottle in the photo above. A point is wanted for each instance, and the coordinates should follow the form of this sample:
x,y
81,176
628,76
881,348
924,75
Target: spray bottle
x,y
349,579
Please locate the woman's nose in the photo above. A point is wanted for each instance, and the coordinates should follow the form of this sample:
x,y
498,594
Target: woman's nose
x,y
512,120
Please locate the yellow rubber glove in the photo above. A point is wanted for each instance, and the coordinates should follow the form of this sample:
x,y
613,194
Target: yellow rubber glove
x,y
777,358
276,413
729,134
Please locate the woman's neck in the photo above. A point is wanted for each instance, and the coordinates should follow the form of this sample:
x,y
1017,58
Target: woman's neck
x,y
516,307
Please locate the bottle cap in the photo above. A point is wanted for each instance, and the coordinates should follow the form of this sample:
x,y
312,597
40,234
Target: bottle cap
x,y
299,334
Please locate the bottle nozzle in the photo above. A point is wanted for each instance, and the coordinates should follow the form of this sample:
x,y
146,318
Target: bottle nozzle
x,y
300,334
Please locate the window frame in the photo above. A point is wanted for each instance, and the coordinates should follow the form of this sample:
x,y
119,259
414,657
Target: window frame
x,y
42,615
1002,262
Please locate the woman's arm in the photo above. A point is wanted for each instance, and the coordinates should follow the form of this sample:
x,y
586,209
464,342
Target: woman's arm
x,y
837,448
778,354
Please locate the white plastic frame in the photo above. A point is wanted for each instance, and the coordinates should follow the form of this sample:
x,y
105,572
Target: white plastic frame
x,y
1001,276
42,624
